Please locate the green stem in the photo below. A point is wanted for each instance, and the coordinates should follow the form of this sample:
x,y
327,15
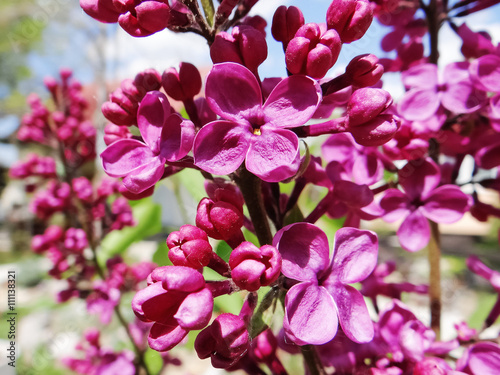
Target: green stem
x,y
208,8
312,360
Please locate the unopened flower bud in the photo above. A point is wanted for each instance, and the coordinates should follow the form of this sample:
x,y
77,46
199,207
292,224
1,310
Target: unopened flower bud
x,y
364,70
351,18
183,84
225,341
312,53
148,80
101,10
377,131
252,267
286,22
220,220
114,132
245,45
367,103
146,18
189,247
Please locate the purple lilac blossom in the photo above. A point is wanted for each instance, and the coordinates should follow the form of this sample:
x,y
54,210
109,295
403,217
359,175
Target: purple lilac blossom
x,y
251,131
167,137
323,284
421,200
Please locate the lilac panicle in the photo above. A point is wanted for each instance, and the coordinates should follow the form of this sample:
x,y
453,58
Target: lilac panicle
x,y
323,284
167,137
249,131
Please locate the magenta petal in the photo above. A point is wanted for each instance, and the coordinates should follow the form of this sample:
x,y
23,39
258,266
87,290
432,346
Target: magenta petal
x,y
488,157
153,15
124,155
183,279
232,91
304,251
462,97
151,117
221,146
274,155
367,169
484,358
101,10
145,176
446,204
166,334
419,177
355,255
485,72
150,303
422,76
176,138
292,102
419,104
196,310
414,232
353,313
309,315
395,205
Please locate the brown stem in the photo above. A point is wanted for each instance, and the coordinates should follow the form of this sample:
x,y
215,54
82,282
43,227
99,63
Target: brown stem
x,y
250,187
434,256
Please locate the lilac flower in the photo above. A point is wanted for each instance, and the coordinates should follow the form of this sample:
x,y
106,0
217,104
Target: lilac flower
x,y
322,287
167,137
455,92
422,199
251,130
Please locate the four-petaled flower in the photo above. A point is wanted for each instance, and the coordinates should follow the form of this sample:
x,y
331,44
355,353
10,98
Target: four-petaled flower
x,y
250,131
322,287
167,137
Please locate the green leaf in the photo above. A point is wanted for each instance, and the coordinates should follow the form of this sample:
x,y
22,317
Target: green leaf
x,y
160,257
147,215
223,250
192,180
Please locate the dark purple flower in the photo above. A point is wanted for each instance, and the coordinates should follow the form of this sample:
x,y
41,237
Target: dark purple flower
x,y
323,284
251,131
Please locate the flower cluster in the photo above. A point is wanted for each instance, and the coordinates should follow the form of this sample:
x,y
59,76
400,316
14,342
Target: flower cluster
x,y
371,158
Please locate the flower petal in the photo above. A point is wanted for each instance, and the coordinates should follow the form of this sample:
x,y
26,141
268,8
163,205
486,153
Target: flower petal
x,y
462,97
145,176
419,177
353,313
414,232
446,204
125,155
355,255
308,315
151,303
292,102
151,117
183,279
232,91
304,251
419,104
395,204
422,76
485,72
176,138
221,146
166,334
488,157
196,310
273,155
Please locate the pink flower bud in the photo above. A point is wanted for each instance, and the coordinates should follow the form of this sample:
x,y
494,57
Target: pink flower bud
x,y
252,267
220,220
148,80
286,22
245,45
75,240
377,131
367,103
364,70
184,84
351,18
225,341
146,18
189,247
82,188
312,53
114,132
101,10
